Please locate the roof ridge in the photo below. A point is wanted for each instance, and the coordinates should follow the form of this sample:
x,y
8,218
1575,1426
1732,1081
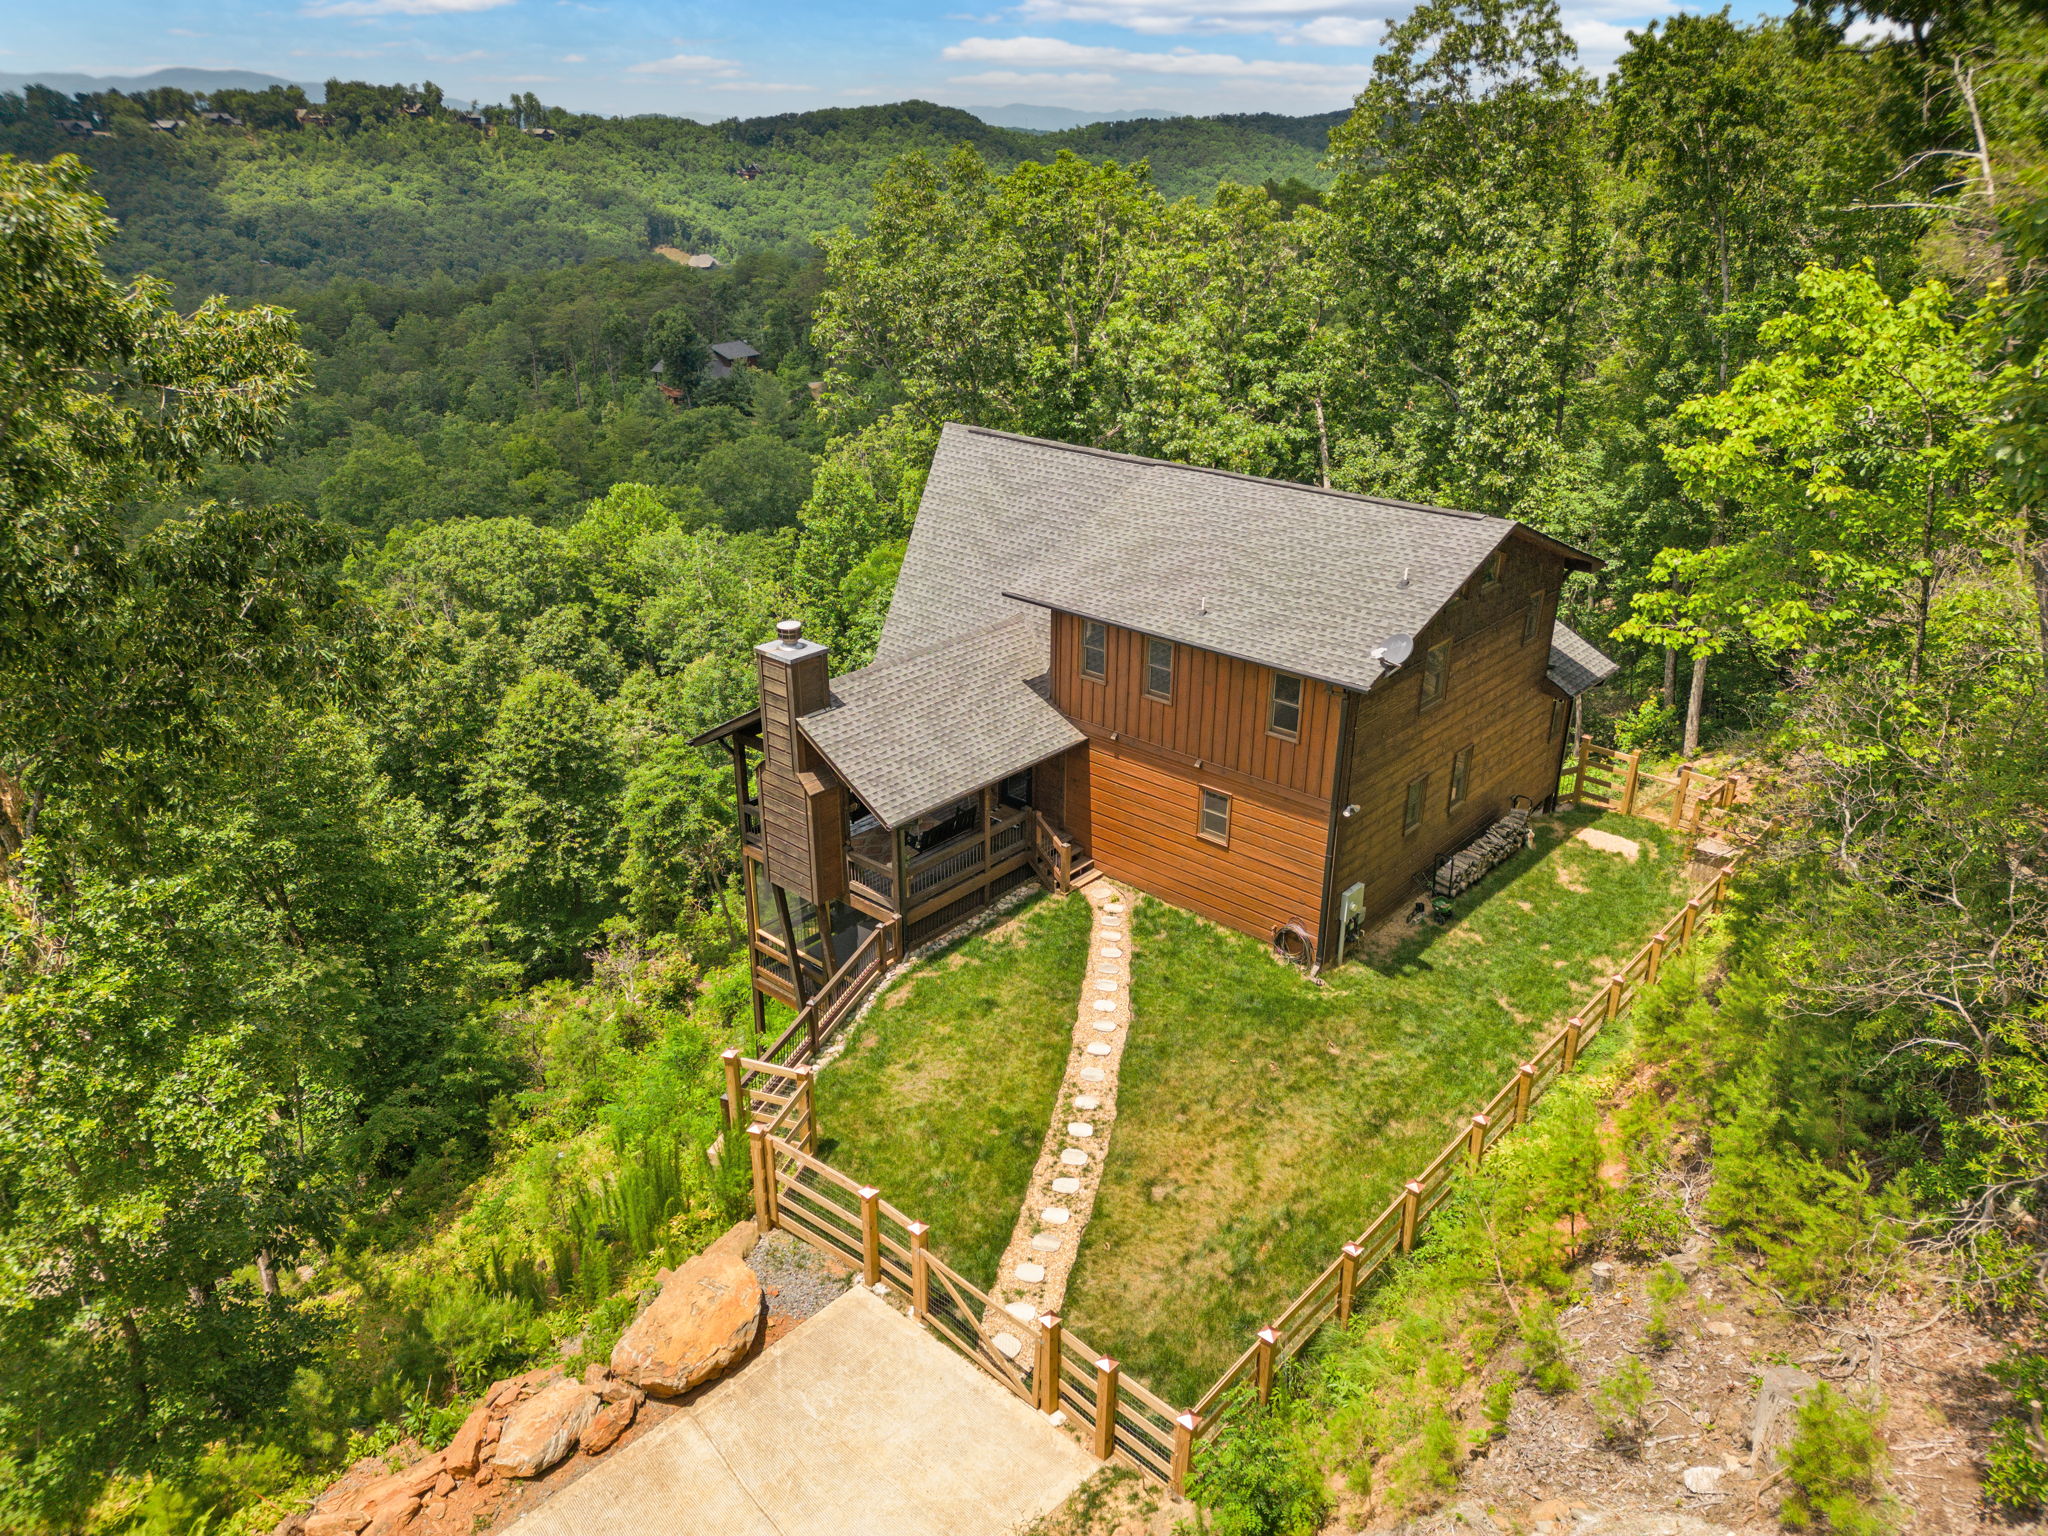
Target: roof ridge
x,y
1232,474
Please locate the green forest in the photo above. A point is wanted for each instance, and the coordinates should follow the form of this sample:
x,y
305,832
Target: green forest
x,y
375,540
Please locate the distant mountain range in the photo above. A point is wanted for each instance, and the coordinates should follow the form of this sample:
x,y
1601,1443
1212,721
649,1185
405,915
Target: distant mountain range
x,y
1053,119
198,81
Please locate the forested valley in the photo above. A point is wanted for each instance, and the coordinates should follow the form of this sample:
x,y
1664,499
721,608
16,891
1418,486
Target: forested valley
x,y
368,925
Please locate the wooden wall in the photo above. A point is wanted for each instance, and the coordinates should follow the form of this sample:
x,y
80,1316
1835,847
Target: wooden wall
x,y
1495,701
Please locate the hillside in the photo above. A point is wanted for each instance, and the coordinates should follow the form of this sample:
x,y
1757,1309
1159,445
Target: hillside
x,y
255,212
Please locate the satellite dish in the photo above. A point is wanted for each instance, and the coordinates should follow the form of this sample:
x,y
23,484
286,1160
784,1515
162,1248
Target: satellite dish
x,y
1397,649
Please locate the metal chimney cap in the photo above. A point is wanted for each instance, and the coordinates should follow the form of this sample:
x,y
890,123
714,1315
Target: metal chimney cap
x,y
790,632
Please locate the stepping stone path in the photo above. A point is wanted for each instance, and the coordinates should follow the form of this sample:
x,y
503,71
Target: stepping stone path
x,y
1033,1273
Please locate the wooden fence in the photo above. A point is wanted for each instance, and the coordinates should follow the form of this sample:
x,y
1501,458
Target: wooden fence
x,y
1617,781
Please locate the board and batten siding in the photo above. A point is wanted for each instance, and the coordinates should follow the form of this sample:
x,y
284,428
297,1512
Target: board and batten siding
x,y
1147,763
1496,702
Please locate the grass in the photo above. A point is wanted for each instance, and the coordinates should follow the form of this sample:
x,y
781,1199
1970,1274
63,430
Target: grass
x,y
1263,1119
942,1095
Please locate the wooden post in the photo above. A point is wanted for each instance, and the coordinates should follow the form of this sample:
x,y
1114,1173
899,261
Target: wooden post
x,y
1525,1080
1475,1140
1571,1042
1611,1004
807,1087
764,1174
1579,770
1679,794
1184,1429
1411,1212
736,1114
870,1235
1628,785
1688,922
760,1012
1108,1378
1268,1352
1347,1281
920,1271
1720,893
1655,965
1049,1362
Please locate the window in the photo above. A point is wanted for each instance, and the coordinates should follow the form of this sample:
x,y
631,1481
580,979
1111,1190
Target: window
x,y
1461,771
1560,709
1094,650
1215,826
1283,712
1532,617
1418,794
1159,670
1495,564
1436,667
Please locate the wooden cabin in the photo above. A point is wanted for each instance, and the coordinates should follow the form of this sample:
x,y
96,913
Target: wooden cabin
x,y
1275,705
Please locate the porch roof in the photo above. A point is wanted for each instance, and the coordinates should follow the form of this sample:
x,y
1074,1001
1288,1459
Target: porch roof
x,y
1576,664
930,726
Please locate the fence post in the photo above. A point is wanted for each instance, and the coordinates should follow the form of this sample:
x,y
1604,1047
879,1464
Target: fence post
x,y
1183,1452
1571,1042
870,1235
920,1271
1108,1378
1268,1350
1049,1362
1678,795
1411,1212
734,1114
1628,788
1579,771
1688,921
1475,1140
808,1089
1654,967
764,1175
1347,1281
1525,1079
1611,1004
811,1029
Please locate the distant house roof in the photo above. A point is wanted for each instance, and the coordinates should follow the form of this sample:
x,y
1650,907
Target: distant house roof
x,y
167,124
221,119
923,730
1575,663
1291,576
702,260
728,355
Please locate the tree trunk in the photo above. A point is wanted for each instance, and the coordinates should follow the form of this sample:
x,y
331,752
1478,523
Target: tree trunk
x,y
2040,566
266,1272
1695,704
1670,693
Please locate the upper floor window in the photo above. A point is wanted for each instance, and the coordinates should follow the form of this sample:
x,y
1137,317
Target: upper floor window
x,y
1461,774
1283,711
1436,670
1531,617
1094,650
1159,670
1418,795
1215,823
1489,574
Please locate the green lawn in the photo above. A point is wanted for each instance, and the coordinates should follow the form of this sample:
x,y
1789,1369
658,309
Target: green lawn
x,y
942,1096
1262,1119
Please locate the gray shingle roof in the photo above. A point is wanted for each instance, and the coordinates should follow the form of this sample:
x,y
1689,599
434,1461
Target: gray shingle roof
x,y
1291,576
734,351
1575,663
931,725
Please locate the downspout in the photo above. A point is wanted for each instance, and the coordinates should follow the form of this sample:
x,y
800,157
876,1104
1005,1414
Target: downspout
x,y
1340,796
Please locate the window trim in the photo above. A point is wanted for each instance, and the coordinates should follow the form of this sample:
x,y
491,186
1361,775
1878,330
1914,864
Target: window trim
x,y
1560,717
1532,617
1460,787
1425,699
1203,795
1172,658
1101,674
1415,808
1495,567
1274,703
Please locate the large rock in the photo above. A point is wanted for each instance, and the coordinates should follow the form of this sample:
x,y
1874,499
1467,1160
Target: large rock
x,y
544,1428
612,1421
704,1319
467,1448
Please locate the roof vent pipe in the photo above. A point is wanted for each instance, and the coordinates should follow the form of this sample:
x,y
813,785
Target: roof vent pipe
x,y
790,632
1404,575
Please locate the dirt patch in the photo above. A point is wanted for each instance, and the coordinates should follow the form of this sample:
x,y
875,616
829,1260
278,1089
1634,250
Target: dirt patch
x,y
1569,878
1609,842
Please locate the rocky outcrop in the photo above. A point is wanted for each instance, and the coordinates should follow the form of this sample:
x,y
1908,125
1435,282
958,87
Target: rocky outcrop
x,y
545,1428
703,1322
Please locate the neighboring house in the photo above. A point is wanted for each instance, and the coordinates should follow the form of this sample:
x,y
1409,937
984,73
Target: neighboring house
x,y
167,124
1269,703
221,119
728,355
77,127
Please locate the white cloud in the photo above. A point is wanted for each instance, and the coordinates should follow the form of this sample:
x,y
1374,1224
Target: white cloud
x,y
397,7
1055,53
685,64
1334,23
574,58
1039,78
753,85
1338,32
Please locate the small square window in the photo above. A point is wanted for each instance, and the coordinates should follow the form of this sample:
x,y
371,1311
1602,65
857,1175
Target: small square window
x,y
1489,574
1560,711
1418,795
1215,826
1436,668
1532,616
1094,650
1461,772
1283,711
1159,670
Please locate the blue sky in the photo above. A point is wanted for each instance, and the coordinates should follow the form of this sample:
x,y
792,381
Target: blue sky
x,y
745,57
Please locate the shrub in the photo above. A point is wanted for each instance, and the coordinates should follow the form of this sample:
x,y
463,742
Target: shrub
x,y
1650,727
1543,1357
1666,1286
1430,1462
1621,1404
2016,1466
1258,1480
1499,1403
1835,1462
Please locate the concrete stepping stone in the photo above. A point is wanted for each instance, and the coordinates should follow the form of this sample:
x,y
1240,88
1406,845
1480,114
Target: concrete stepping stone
x,y
1105,1005
1111,952
1113,905
1045,1242
1080,1130
1055,1215
1030,1274
1008,1344
1107,1026
1023,1311
1065,1186
1098,1047
1074,1157
1092,1075
1105,984
1087,1101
